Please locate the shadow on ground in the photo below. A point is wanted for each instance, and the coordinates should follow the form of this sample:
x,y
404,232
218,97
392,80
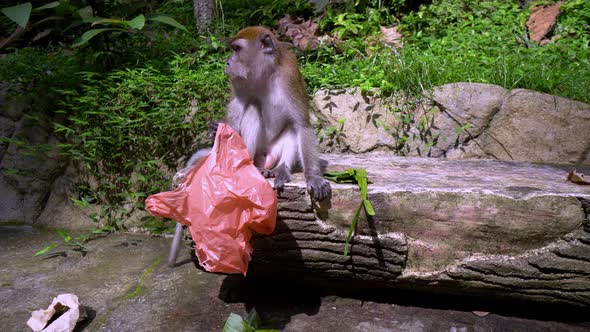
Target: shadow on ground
x,y
125,285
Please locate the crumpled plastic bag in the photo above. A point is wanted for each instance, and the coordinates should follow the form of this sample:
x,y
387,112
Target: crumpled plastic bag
x,y
66,322
222,199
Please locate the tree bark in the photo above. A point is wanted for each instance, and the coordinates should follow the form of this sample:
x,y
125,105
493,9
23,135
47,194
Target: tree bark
x,y
491,229
203,11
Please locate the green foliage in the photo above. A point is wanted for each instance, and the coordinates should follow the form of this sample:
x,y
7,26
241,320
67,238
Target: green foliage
x,y
128,127
19,14
477,42
456,41
358,176
70,242
252,323
241,13
130,26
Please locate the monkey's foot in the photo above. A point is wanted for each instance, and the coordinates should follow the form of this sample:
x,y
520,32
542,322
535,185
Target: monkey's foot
x,y
318,187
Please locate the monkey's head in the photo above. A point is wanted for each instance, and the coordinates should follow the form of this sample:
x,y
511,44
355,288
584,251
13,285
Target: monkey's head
x,y
255,55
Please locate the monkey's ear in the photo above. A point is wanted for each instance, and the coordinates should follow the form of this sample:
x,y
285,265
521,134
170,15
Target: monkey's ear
x,y
267,43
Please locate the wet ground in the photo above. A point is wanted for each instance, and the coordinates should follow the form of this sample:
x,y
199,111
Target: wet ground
x,y
125,285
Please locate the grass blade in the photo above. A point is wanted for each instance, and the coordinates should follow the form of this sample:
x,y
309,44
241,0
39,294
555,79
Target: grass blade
x,y
44,250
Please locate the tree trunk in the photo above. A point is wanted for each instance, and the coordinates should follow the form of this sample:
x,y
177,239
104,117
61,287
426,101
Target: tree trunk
x,y
203,11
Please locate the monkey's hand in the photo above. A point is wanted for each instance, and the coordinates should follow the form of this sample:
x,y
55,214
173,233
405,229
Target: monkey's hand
x,y
280,173
318,187
213,127
178,177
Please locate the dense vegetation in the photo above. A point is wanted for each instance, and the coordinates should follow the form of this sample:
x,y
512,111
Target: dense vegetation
x,y
129,102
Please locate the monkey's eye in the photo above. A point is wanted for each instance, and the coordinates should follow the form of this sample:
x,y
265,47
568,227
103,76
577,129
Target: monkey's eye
x,y
236,48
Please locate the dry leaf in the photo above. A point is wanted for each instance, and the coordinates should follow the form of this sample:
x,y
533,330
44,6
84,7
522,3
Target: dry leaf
x,y
391,37
481,313
542,21
42,34
577,178
301,33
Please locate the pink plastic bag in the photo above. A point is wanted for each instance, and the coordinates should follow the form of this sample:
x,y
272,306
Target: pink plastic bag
x,y
222,199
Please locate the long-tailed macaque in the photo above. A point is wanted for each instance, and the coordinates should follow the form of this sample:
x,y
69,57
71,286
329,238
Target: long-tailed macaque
x,y
269,108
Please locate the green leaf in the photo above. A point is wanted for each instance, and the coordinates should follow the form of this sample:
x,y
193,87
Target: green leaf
x,y
138,22
112,21
85,12
91,34
170,21
355,220
64,234
48,6
253,319
46,249
368,207
235,323
19,14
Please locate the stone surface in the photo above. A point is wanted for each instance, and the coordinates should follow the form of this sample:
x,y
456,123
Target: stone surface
x,y
451,116
125,286
363,119
537,127
6,130
29,160
437,222
59,211
457,121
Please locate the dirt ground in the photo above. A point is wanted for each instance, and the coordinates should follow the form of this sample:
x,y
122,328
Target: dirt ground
x,y
125,285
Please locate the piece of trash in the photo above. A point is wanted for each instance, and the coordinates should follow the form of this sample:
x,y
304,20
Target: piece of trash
x,y
62,314
222,199
481,313
577,178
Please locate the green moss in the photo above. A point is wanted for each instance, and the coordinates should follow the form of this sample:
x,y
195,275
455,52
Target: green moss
x,y
139,288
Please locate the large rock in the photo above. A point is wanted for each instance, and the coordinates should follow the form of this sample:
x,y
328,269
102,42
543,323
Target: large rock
x,y
502,229
29,158
353,122
451,116
59,210
538,127
458,121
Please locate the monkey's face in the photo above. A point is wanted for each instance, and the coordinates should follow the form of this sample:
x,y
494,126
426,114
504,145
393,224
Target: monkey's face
x,y
254,56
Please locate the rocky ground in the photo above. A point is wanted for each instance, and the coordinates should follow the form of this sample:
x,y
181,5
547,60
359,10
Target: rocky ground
x,y
125,285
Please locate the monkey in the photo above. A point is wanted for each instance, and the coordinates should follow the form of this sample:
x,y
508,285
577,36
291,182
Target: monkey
x,y
269,108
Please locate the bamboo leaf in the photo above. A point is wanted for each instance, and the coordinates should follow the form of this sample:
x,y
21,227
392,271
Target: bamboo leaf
x,y
64,235
368,207
355,220
19,14
138,22
46,249
114,21
48,6
91,34
170,21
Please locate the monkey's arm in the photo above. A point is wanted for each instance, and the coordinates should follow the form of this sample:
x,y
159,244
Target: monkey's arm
x,y
318,187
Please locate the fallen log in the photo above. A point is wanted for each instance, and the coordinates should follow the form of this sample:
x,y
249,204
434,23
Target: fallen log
x,y
478,227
